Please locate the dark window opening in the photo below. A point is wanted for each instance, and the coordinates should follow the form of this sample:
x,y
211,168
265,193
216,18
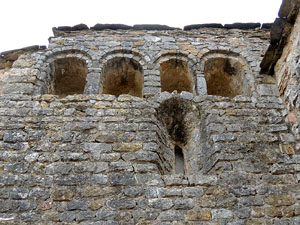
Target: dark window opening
x,y
174,75
179,160
172,113
224,77
69,76
122,76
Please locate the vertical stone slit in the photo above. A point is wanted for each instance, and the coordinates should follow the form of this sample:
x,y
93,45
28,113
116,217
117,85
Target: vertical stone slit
x,y
172,115
179,160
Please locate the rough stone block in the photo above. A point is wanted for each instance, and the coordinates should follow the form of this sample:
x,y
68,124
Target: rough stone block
x,y
77,205
127,147
202,179
106,215
99,179
252,201
62,195
171,216
121,204
122,179
18,88
96,204
161,203
184,204
192,191
169,192
267,89
96,191
71,180
280,200
199,215
14,136
221,214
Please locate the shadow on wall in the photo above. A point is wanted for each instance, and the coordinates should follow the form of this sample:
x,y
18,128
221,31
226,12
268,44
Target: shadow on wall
x,y
69,76
179,123
224,77
122,76
174,75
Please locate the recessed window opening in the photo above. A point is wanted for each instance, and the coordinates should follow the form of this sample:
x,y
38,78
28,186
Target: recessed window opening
x,y
122,76
179,160
175,75
172,114
69,76
224,77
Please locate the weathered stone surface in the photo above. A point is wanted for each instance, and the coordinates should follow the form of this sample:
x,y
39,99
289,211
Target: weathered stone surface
x,y
62,195
95,158
127,147
221,214
184,204
280,200
100,27
199,215
96,191
122,179
152,27
96,204
242,26
199,26
277,30
99,179
122,204
161,203
77,205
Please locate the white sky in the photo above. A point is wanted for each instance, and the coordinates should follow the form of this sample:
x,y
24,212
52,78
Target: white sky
x,y
29,22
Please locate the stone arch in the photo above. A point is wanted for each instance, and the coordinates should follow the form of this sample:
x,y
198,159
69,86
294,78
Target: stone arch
x,y
141,58
178,124
122,73
64,72
178,71
225,74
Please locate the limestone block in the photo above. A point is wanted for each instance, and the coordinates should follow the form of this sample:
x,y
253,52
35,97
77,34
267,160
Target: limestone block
x,y
62,195
267,89
280,200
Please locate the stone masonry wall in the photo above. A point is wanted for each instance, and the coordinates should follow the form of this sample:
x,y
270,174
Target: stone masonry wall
x,y
31,73
95,159
287,72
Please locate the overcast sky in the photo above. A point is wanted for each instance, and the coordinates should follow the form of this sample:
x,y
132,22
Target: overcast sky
x,y
29,22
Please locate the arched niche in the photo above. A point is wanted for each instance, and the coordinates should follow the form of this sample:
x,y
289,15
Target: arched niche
x,y
178,126
122,75
68,76
225,76
175,76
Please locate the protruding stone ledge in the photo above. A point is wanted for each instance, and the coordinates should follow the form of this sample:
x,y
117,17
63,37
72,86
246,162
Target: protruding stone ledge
x,y
281,29
153,27
99,27
206,25
242,26
267,26
61,30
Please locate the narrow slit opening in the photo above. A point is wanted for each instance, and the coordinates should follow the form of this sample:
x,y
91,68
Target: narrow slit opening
x,y
179,160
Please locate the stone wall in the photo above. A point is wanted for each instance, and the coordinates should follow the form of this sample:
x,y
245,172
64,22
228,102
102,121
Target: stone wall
x,y
97,159
282,58
146,126
155,53
287,72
